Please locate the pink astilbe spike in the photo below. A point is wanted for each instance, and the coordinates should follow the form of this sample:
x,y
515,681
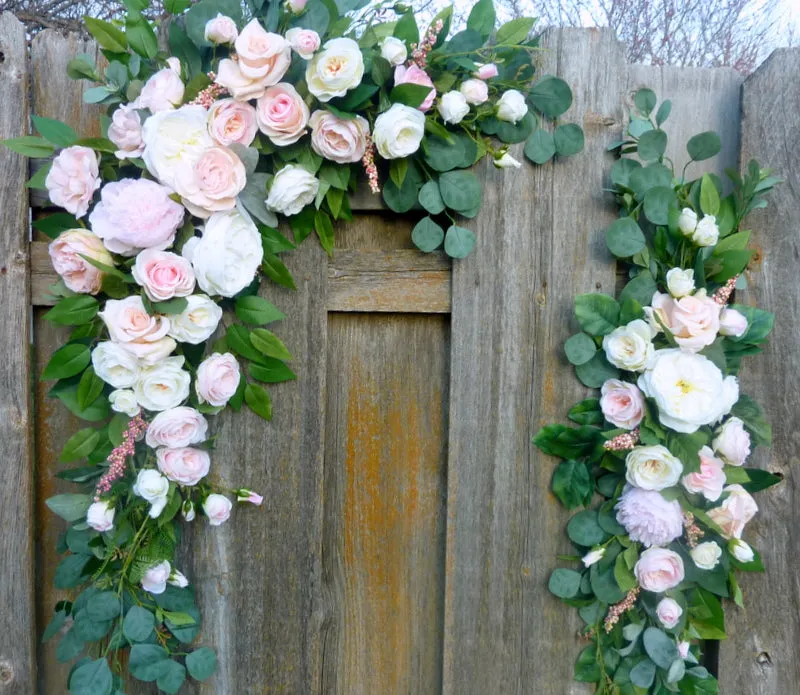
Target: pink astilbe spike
x,y
117,458
723,294
618,609
623,442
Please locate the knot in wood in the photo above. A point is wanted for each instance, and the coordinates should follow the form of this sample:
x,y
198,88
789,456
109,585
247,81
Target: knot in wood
x,y
6,673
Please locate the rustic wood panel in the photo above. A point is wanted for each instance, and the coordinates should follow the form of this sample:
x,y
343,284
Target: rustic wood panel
x,y
383,549
760,654
17,615
539,242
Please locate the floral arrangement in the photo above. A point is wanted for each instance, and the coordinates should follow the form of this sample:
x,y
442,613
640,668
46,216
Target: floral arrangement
x,y
665,444
257,111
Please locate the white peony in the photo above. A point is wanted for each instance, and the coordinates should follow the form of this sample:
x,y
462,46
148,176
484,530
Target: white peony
x,y
225,259
652,468
706,555
394,50
398,132
197,322
152,487
163,386
680,282
124,401
512,107
689,389
115,365
100,516
292,189
630,347
338,67
453,107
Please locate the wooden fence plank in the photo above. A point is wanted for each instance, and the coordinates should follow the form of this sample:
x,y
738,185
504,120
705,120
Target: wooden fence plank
x,y
539,242
17,608
760,655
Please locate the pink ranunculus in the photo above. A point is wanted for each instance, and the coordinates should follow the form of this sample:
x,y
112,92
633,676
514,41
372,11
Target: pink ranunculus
x,y
125,132
162,92
669,612
304,42
736,511
622,403
140,334
73,179
659,570
710,479
262,54
475,91
231,121
282,115
212,183
66,254
176,428
648,517
185,466
163,275
486,71
221,30
693,319
241,87
135,214
217,379
732,443
414,74
732,323
338,139
217,508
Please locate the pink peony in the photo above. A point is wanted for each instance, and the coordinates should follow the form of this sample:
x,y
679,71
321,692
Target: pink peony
x,y
231,121
163,275
262,55
282,115
217,509
66,254
414,74
736,511
185,466
710,479
217,379
732,443
135,214
693,319
125,132
486,71
659,570
162,92
73,179
338,139
648,517
176,428
304,42
669,612
212,183
622,403
732,323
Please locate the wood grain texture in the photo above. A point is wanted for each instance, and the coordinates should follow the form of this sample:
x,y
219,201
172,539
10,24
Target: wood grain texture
x,y
539,242
385,485
17,610
760,655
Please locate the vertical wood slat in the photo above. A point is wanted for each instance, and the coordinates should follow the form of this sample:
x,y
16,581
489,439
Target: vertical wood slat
x,y
17,608
760,655
512,310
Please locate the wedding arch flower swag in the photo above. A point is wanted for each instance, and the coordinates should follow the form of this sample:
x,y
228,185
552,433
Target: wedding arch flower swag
x,y
259,110
664,446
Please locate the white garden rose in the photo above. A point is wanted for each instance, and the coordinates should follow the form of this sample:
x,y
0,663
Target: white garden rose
x,y
338,67
163,386
100,516
652,468
741,550
177,428
732,443
630,347
124,401
512,107
475,91
292,189
680,282
394,50
115,365
156,577
706,555
398,132
175,140
707,231
687,221
197,322
217,508
453,107
225,259
152,487
689,389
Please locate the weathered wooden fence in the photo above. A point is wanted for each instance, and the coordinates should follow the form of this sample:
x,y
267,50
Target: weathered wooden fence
x,y
409,531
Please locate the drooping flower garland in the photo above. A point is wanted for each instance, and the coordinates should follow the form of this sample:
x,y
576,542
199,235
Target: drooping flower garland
x,y
172,217
664,446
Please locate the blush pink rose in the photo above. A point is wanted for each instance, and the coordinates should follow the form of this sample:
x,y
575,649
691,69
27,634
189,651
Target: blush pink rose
x,y
162,92
262,54
231,121
659,570
710,479
240,86
140,334
66,254
732,323
648,517
176,428
135,214
217,379
736,511
163,275
185,466
669,612
217,508
732,443
475,91
221,30
212,183
683,649
125,132
73,179
486,71
414,74
282,115
338,139
693,319
622,403
304,42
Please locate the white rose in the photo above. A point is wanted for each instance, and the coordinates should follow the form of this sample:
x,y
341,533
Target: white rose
x,y
163,386
453,107
741,550
630,347
732,323
732,443
475,91
217,508
187,510
152,487
669,612
175,140
706,555
292,189
398,132
197,322
512,107
506,161
100,516
593,556
225,259
178,579
124,401
652,468
339,66
689,389
155,579
221,30
707,232
162,92
115,365
687,221
394,50
680,282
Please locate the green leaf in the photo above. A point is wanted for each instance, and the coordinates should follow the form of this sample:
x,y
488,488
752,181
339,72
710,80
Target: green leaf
x,y
624,237
643,674
596,371
459,241
140,35
709,196
604,584
257,310
238,339
663,112
640,289
271,371
324,229
92,678
406,29
587,670
258,400
652,145
566,442
138,624
30,146
676,671
53,225
67,361
586,412
686,448
551,96
760,480
427,235
568,139
460,190
540,146
579,348
201,663
55,625
409,94
572,483
654,175
176,305
80,445
173,677
583,529
104,605
60,134
89,388
704,146
750,413
69,572
276,271
515,31
177,6
70,507
269,344
69,646
148,661
657,203
106,34
645,100
564,583
482,18
660,647
253,198
598,314
622,574
431,199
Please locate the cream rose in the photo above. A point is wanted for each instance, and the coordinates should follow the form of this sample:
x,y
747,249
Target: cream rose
x,y
741,550
73,178
177,428
659,570
262,55
231,121
152,487
453,107
732,443
337,68
292,189
212,183
398,132
282,115
221,30
125,132
241,87
115,365
506,161
511,106
337,139
186,466
732,323
393,50
475,91
100,516
706,555
66,254
162,386
680,282
197,322
630,347
622,403
124,401
218,379
162,92
130,325
692,320
155,578
652,468
710,479
669,612
304,42
706,232
217,508
687,221
163,275
737,509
